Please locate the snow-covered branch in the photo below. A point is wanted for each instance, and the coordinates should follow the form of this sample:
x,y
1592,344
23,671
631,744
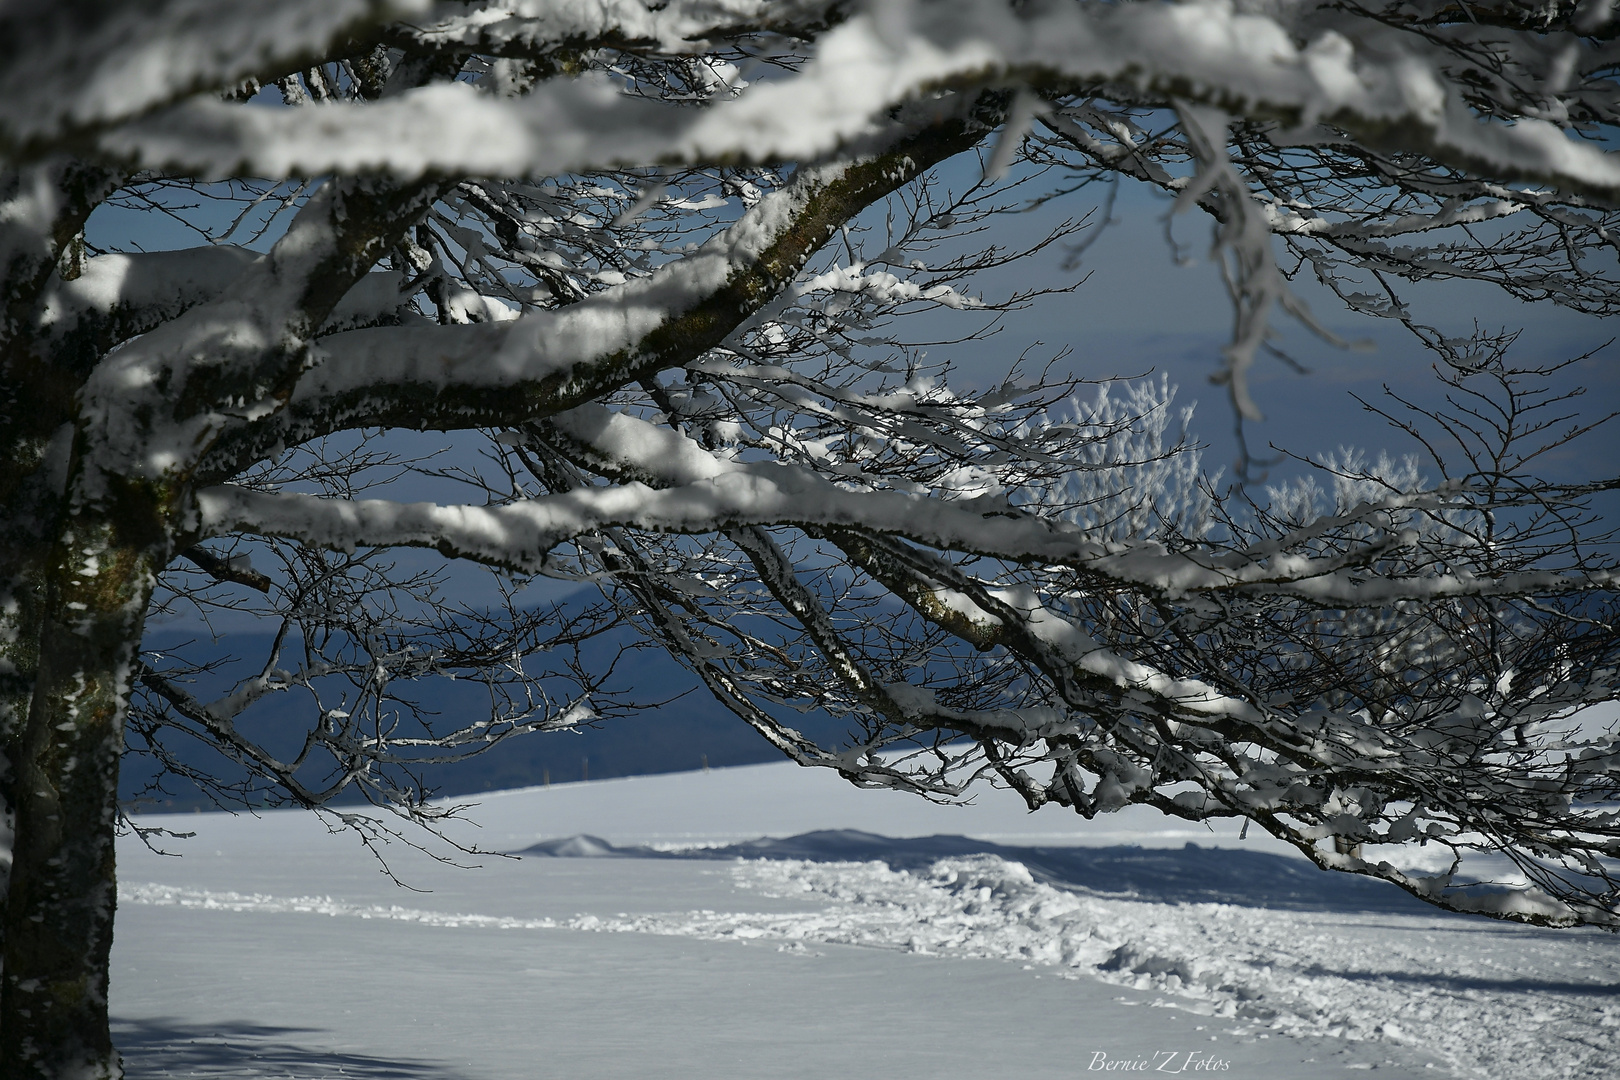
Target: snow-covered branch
x,y
69,68
698,493
1248,63
552,360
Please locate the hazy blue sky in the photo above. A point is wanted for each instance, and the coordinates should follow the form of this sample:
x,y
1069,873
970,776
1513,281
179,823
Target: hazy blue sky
x,y
1139,309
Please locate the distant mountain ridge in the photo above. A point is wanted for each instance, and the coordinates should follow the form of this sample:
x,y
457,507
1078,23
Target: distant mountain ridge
x,y
689,733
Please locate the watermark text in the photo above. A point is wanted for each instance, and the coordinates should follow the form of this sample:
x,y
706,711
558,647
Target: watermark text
x,y
1160,1061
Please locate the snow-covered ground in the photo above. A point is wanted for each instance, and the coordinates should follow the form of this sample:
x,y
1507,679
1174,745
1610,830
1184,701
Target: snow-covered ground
x,y
878,935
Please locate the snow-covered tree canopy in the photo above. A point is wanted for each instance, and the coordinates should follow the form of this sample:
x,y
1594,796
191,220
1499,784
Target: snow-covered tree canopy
x,y
650,261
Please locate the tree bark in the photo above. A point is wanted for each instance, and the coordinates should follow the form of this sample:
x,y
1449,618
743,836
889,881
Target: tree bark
x,y
59,912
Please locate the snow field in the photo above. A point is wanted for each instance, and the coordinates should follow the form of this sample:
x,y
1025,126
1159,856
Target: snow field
x,y
1283,994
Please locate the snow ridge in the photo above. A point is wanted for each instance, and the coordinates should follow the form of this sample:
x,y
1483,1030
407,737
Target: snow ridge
x,y
1292,972
205,900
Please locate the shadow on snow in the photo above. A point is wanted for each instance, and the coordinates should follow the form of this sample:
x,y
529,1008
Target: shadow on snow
x,y
164,1047
1462,984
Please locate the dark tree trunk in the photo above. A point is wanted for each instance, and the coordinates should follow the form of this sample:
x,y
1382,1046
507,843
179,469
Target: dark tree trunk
x,y
19,663
45,207
58,916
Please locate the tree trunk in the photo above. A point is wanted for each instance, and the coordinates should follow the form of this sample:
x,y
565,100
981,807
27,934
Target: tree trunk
x,y
59,910
19,660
